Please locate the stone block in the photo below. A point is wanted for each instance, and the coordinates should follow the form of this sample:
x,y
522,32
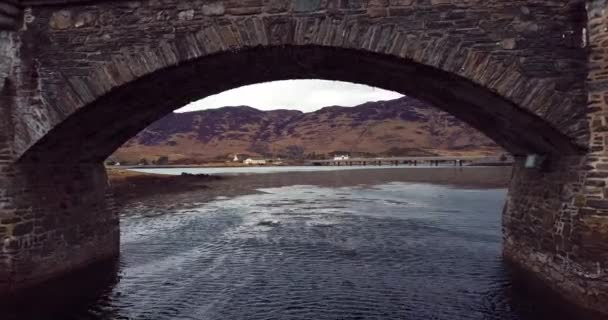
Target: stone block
x,y
61,19
213,9
276,6
306,5
599,204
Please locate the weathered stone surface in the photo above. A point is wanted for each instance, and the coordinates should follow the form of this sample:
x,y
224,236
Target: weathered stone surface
x,y
61,19
78,78
532,70
214,9
64,221
306,5
9,15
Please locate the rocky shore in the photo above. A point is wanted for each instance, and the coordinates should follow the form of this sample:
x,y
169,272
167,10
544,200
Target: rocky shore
x,y
131,185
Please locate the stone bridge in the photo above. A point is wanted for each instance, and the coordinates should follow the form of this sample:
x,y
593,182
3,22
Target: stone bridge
x,y
78,78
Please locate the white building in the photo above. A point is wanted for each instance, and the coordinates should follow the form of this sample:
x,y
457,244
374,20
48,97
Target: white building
x,y
251,161
341,157
236,158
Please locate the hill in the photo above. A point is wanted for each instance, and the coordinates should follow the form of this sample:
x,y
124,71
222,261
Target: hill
x,y
398,127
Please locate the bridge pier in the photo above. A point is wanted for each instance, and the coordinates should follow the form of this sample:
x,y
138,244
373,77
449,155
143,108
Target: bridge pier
x,y
557,232
53,219
555,220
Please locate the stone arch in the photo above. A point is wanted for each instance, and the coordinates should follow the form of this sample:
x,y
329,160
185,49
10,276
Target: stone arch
x,y
76,70
115,106
303,44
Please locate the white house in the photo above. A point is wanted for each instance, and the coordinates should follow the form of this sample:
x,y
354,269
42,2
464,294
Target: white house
x,y
276,162
251,161
341,157
236,158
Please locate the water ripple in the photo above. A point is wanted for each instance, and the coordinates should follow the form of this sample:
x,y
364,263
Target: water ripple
x,y
391,251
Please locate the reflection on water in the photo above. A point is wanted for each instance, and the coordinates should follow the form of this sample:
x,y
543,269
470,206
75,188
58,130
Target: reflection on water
x,y
386,251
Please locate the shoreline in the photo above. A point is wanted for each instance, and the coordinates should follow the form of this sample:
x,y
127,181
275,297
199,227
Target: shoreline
x,y
485,163
154,189
130,185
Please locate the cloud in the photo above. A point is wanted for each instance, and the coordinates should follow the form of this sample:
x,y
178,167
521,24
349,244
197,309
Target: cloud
x,y
305,95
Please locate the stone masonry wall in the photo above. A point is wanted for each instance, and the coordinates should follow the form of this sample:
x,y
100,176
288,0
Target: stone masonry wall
x,y
57,219
10,14
53,219
8,52
74,61
554,232
556,218
529,52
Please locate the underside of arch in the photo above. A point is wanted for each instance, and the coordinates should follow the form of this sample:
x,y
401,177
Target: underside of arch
x,y
94,131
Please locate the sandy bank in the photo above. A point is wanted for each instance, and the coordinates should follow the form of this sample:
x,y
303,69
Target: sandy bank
x,y
130,185
183,190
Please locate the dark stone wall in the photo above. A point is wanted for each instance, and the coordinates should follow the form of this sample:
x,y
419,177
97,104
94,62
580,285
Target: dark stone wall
x,y
554,229
10,14
528,52
556,217
57,219
53,218
107,128
8,53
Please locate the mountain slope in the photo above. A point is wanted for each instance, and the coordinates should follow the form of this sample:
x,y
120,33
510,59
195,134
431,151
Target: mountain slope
x,y
399,127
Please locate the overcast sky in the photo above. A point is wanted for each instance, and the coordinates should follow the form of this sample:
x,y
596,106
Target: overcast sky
x,y
305,95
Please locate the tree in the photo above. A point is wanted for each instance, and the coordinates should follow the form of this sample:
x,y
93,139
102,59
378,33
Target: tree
x,y
162,160
311,155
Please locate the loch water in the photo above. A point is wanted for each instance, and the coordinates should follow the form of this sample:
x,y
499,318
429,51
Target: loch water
x,y
380,250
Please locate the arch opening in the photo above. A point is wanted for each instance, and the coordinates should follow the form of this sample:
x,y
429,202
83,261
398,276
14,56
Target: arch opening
x,y
302,121
92,133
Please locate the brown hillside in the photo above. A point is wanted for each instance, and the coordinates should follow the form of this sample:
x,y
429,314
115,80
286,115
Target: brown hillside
x,y
399,127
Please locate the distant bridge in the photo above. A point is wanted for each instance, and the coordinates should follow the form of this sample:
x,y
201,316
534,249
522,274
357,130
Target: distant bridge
x,y
413,161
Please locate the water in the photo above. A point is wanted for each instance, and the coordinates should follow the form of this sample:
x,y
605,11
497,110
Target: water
x,y
387,250
304,252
